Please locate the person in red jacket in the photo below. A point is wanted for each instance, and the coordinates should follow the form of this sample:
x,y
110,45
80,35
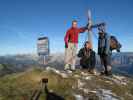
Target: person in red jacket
x,y
71,43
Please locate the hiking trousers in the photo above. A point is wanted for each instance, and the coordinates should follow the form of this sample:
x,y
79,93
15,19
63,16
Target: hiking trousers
x,y
106,62
70,55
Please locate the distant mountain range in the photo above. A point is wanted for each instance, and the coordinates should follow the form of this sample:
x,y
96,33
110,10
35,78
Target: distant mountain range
x,y
16,63
122,62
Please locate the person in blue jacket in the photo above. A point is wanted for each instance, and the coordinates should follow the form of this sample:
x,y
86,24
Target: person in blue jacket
x,y
104,50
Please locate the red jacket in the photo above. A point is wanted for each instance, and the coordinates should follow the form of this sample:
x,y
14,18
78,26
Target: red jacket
x,y
72,34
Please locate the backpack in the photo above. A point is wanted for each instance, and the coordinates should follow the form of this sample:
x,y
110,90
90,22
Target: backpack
x,y
115,44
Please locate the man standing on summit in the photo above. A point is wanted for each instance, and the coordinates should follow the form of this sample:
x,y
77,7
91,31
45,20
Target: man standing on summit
x,y
71,44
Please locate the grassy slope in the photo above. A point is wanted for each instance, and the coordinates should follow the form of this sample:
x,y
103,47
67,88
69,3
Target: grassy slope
x,y
20,86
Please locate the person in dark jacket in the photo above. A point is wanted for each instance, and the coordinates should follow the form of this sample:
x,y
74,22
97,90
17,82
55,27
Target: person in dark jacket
x,y
87,55
104,51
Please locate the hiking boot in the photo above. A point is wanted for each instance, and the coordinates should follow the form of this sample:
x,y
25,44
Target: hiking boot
x,y
102,73
67,67
109,73
92,71
73,70
72,67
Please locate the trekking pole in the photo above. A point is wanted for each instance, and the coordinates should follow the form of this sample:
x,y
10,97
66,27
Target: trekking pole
x,y
43,88
44,84
36,95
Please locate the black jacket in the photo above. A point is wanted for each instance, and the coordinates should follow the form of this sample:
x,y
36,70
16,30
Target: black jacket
x,y
88,59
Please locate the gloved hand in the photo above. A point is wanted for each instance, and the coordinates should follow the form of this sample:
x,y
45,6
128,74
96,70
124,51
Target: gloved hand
x,y
66,45
88,27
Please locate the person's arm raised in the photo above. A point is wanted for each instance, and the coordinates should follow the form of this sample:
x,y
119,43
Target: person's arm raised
x,y
83,29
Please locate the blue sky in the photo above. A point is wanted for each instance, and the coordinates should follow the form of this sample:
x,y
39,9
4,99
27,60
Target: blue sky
x,y
23,21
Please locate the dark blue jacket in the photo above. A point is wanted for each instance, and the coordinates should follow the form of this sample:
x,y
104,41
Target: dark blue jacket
x,y
104,45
